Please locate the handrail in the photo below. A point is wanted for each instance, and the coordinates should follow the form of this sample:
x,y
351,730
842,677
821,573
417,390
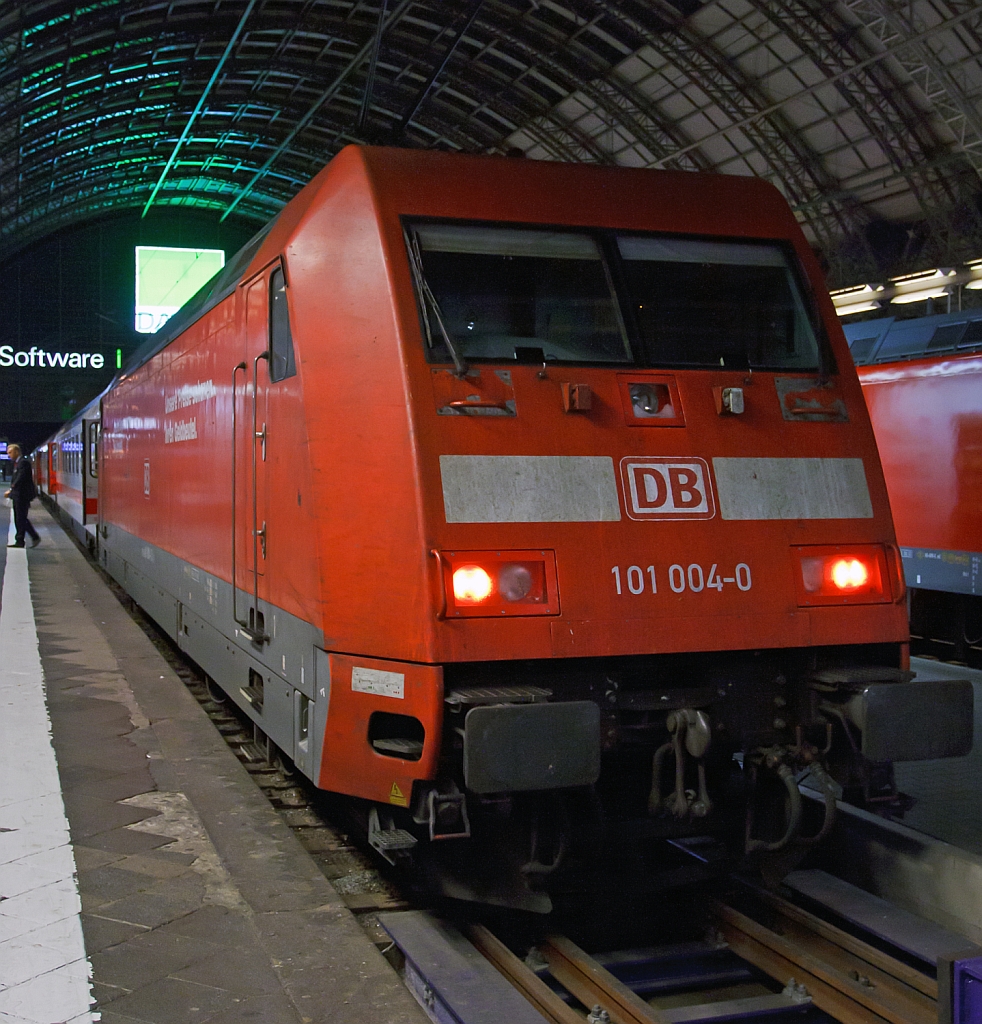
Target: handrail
x,y
235,614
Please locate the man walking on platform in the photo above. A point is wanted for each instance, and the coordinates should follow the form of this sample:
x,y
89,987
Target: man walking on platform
x,y
22,492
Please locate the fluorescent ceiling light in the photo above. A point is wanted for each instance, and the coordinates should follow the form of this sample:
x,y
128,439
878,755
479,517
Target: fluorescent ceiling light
x,y
923,276
923,295
856,307
859,293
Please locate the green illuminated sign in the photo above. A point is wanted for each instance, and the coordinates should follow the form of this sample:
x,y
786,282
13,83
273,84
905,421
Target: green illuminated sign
x,y
166,278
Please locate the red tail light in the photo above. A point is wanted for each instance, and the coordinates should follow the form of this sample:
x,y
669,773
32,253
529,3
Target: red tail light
x,y
843,574
495,583
471,584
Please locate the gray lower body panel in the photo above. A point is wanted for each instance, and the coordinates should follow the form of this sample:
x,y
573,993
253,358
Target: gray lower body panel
x,y
195,608
957,572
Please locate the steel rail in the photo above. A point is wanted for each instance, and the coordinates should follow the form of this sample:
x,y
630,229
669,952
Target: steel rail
x,y
535,990
846,977
592,984
897,969
841,979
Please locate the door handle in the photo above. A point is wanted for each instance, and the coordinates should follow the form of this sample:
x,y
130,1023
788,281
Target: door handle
x,y
261,534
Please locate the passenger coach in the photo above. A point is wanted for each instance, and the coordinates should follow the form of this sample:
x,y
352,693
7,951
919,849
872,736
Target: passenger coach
x,y
66,470
922,379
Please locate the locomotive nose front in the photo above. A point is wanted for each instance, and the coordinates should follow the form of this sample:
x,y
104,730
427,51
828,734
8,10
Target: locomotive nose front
x,y
660,503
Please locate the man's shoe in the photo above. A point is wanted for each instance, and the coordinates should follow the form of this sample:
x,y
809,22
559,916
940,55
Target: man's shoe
x,y
15,545
35,541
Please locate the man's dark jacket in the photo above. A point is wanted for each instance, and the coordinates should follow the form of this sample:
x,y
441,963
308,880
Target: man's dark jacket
x,y
22,489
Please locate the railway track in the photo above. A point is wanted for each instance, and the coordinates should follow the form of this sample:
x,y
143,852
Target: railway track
x,y
764,958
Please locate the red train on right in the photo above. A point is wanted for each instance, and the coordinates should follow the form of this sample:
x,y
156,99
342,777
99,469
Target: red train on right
x,y
922,379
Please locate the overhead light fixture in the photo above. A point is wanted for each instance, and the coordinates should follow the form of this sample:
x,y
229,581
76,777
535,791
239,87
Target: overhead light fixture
x,y
921,295
845,296
858,299
976,267
924,285
857,307
923,276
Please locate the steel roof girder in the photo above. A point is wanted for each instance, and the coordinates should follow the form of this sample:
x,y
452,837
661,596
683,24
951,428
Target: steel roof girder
x,y
954,106
793,166
606,90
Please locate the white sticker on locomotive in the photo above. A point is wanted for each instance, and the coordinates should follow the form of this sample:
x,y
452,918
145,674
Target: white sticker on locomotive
x,y
382,684
667,488
792,489
529,489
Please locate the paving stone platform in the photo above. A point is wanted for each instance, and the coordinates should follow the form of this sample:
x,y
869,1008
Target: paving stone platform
x,y
197,902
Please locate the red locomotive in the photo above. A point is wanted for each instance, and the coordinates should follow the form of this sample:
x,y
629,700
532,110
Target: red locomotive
x,y
922,379
543,489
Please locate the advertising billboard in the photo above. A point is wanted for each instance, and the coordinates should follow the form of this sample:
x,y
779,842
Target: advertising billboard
x,y
166,278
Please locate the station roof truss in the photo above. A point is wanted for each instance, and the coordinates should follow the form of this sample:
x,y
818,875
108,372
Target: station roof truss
x,y
867,114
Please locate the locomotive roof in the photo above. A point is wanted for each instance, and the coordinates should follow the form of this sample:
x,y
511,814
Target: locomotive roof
x,y
708,203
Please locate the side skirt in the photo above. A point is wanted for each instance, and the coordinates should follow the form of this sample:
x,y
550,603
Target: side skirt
x,y
283,686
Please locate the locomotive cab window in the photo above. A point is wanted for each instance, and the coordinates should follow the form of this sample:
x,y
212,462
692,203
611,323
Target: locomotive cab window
x,y
282,362
507,293
710,304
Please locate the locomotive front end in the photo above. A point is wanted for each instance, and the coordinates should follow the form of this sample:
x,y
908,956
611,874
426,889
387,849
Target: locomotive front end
x,y
662,575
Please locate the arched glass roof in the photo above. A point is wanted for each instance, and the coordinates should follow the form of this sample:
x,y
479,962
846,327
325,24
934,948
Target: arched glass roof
x,y
867,114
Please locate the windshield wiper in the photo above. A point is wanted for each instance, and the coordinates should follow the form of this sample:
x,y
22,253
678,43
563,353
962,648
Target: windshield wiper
x,y
429,299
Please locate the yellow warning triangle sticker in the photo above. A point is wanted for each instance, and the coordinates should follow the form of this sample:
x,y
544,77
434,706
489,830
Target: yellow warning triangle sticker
x,y
395,795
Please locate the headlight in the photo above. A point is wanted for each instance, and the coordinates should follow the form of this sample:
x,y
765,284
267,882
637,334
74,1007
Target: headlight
x,y
843,574
494,583
471,584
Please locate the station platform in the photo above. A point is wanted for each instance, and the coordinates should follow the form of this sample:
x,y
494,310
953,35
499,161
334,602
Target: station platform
x,y
143,875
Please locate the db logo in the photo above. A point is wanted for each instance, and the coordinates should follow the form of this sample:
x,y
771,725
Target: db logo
x,y
667,489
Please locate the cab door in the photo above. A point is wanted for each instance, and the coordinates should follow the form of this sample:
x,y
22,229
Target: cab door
x,y
267,359
249,452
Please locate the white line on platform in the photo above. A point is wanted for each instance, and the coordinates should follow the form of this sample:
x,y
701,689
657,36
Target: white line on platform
x,y
44,973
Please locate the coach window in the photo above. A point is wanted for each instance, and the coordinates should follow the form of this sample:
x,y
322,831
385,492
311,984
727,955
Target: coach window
x,y
282,363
